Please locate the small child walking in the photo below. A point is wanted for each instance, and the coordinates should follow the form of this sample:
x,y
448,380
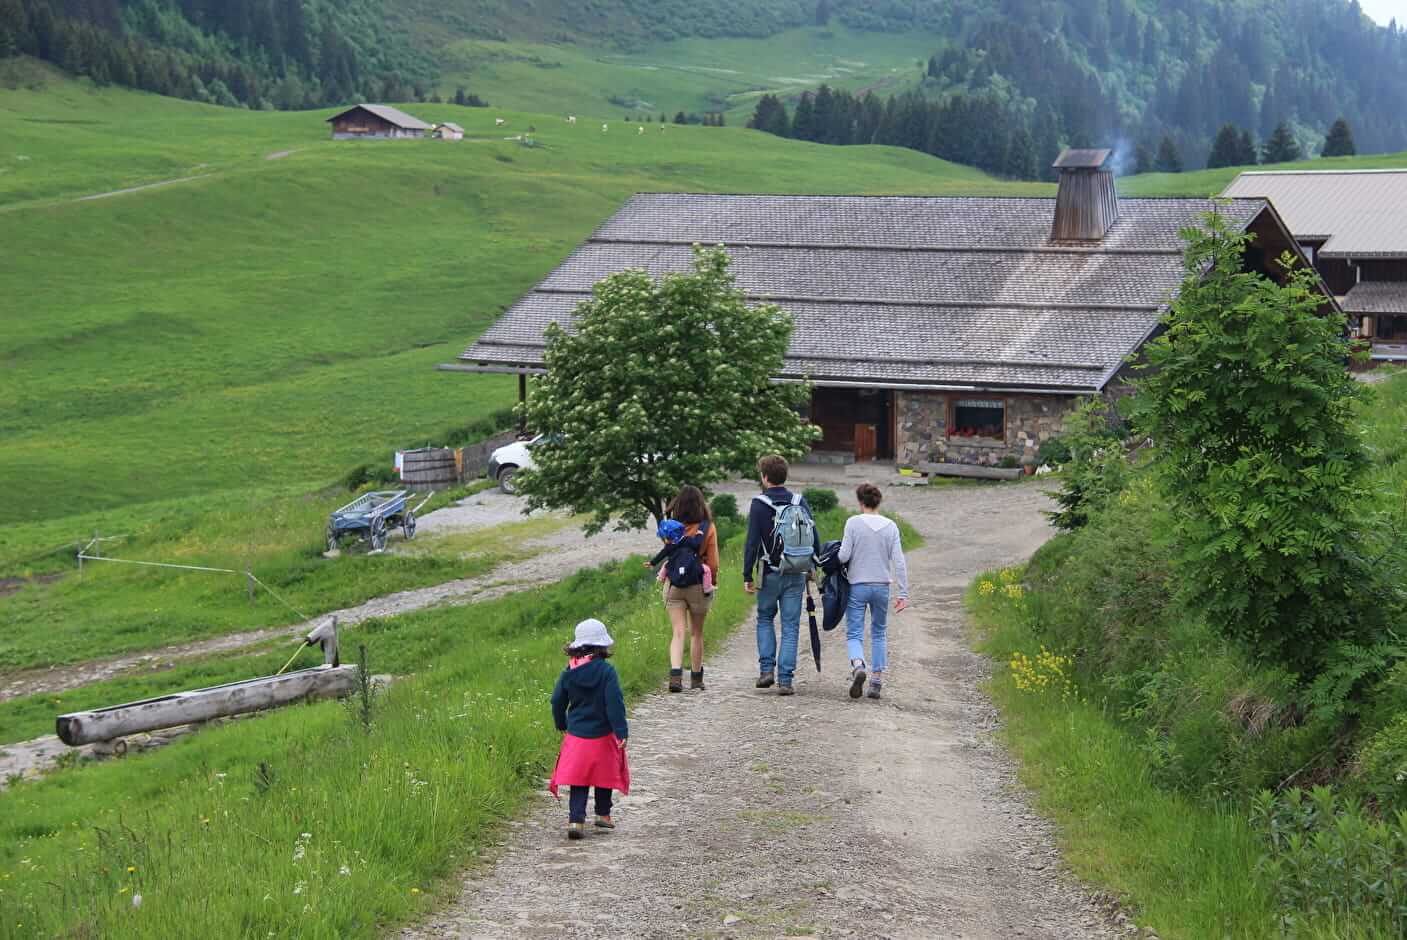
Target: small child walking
x,y
589,708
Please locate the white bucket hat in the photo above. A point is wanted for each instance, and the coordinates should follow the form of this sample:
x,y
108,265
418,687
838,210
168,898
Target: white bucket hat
x,y
591,633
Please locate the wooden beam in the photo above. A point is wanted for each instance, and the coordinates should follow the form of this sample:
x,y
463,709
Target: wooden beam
x,y
970,471
184,708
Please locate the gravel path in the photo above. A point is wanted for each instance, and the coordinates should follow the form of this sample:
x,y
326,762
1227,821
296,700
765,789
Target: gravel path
x,y
760,816
562,554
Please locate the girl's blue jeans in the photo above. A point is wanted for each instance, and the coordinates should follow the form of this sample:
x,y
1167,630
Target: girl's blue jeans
x,y
876,598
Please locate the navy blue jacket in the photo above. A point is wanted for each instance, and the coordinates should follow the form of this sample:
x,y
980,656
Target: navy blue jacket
x,y
759,527
588,703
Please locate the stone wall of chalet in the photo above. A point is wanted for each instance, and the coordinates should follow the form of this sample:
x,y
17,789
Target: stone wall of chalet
x,y
923,428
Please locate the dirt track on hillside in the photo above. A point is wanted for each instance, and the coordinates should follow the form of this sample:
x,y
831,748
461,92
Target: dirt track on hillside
x,y
759,816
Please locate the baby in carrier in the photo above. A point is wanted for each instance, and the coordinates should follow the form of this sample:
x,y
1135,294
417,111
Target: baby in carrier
x,y
686,566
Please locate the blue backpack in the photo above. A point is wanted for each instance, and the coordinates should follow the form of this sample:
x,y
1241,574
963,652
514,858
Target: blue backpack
x,y
685,568
792,547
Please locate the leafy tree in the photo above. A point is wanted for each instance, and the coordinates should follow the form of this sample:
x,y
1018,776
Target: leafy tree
x,y
1282,147
1097,469
1252,412
1339,142
663,383
1168,159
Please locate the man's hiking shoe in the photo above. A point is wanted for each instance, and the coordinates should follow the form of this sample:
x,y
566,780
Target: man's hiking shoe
x,y
676,683
785,690
766,680
696,680
604,822
576,830
857,682
874,690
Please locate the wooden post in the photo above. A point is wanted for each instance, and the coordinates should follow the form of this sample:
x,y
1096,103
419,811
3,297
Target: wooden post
x,y
522,400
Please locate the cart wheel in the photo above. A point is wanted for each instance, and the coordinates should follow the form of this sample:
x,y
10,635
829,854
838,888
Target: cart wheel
x,y
409,525
331,538
378,534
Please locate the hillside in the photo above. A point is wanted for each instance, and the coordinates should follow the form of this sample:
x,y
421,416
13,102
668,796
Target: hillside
x,y
1059,71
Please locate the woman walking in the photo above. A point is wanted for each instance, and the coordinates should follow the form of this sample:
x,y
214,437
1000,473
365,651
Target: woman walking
x,y
870,548
688,606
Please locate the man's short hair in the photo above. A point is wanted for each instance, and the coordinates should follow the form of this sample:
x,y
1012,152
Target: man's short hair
x,y
773,468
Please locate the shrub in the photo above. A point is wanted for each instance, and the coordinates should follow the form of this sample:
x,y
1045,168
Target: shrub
x,y
1096,469
820,500
1054,452
1382,767
724,506
1329,862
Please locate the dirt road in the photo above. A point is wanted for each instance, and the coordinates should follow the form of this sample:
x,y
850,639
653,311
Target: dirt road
x,y
759,816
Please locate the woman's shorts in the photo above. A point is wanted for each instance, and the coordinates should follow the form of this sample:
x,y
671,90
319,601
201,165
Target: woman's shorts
x,y
692,598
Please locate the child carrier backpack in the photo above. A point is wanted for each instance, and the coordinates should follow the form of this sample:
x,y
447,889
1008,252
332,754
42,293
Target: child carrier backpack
x,y
792,547
685,568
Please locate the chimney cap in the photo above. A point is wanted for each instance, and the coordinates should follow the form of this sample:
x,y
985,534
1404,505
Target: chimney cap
x,y
1082,159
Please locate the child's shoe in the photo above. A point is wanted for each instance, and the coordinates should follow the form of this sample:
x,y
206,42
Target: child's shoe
x,y
604,822
576,830
676,680
696,680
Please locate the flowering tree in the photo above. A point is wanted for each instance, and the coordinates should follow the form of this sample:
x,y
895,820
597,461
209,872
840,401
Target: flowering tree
x,y
662,383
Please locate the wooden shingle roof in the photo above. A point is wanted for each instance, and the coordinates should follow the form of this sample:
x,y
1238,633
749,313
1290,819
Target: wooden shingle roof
x,y
918,291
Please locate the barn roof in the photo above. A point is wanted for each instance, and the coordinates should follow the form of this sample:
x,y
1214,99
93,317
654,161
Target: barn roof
x,y
389,114
899,290
1377,297
1358,213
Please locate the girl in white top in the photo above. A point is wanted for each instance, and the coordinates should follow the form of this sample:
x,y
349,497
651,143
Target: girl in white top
x,y
871,548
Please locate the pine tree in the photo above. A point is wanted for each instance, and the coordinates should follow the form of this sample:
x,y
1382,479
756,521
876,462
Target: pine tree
x,y
1247,154
803,122
1021,156
681,118
1142,159
1226,150
1168,160
1339,143
1282,147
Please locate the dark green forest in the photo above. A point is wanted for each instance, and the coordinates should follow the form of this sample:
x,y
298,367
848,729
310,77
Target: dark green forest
x,y
1021,78
1008,83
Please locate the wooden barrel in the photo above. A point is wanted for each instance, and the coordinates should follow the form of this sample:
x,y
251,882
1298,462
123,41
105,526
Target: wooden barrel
x,y
429,468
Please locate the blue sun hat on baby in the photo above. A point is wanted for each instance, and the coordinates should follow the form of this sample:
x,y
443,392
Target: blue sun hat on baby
x,y
671,530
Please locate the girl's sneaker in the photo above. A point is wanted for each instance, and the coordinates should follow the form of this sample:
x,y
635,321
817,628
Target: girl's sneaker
x,y
604,822
576,830
875,688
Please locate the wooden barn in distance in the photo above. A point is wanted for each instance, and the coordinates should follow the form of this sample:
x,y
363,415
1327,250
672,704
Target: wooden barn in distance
x,y
448,131
376,121
1352,225
942,333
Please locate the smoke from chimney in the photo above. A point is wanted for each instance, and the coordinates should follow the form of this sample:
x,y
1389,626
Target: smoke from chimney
x,y
1086,204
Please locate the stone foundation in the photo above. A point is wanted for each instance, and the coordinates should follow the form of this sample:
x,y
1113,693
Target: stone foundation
x,y
923,429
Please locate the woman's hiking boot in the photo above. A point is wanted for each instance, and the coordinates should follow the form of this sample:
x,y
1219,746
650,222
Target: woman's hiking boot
x,y
604,822
766,680
875,687
696,680
676,680
576,830
857,681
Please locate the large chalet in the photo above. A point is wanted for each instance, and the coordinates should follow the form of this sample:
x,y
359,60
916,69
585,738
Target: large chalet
x,y
934,330
1352,225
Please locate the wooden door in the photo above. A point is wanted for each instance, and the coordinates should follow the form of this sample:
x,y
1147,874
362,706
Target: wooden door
x,y
866,441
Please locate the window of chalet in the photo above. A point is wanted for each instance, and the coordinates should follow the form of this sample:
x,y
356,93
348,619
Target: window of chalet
x,y
978,417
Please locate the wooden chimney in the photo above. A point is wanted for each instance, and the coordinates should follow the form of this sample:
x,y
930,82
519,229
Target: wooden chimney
x,y
1086,205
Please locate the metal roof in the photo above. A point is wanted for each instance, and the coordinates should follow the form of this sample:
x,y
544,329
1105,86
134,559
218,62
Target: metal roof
x,y
1377,297
925,291
1082,159
452,126
1358,213
388,114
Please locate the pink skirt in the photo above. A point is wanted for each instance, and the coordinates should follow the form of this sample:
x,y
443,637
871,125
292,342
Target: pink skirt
x,y
590,762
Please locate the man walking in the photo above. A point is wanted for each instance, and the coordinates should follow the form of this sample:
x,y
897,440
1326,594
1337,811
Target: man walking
x,y
782,584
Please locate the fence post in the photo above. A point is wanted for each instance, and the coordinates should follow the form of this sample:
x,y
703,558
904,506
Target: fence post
x,y
249,584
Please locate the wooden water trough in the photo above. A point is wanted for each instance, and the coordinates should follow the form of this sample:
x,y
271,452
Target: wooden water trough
x,y
330,680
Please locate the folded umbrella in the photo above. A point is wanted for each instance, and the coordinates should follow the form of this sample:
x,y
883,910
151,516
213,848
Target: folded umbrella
x,y
815,632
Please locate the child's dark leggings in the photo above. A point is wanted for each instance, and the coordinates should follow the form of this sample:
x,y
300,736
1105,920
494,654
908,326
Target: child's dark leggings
x,y
577,805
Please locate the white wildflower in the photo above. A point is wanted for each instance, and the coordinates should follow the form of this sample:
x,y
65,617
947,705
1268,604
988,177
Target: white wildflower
x,y
345,871
300,887
136,900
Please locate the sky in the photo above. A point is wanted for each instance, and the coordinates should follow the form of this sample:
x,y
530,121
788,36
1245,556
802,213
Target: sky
x,y
1384,10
